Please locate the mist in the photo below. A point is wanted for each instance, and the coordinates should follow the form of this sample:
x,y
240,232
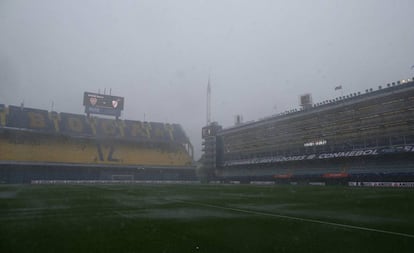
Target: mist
x,y
260,55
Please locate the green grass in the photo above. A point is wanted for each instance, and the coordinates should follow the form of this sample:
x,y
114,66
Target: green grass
x,y
204,218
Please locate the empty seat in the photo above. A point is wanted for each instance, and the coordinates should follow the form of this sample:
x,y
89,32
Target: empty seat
x,y
74,124
28,118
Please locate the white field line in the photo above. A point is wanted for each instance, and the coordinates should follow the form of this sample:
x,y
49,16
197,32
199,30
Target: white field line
x,y
299,219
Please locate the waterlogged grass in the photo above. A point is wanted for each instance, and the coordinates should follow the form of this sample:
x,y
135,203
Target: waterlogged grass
x,y
204,218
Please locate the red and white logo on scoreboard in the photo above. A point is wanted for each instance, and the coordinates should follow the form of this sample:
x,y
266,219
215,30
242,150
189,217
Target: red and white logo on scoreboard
x,y
93,101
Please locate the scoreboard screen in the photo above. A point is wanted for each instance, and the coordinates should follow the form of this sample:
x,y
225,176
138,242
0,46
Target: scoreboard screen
x,y
103,104
103,101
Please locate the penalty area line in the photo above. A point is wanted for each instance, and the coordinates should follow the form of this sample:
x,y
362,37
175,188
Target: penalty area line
x,y
299,219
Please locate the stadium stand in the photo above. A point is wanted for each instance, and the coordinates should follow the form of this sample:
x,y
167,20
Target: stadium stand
x,y
106,128
28,118
339,131
179,134
74,125
37,140
54,118
27,147
144,131
137,130
2,114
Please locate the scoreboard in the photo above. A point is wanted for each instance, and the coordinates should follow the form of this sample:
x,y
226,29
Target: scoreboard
x,y
103,104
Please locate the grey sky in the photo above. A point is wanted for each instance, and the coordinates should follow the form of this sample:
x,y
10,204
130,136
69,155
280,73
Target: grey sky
x,y
261,54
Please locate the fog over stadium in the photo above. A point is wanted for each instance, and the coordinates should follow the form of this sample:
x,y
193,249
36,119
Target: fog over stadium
x,y
260,55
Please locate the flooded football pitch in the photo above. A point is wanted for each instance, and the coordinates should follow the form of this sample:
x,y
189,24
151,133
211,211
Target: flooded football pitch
x,y
204,218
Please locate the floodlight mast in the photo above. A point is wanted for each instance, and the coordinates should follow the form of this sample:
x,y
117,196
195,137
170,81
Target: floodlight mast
x,y
208,102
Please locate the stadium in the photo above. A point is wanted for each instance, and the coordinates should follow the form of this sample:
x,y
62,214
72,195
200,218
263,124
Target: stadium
x,y
41,145
363,136
102,184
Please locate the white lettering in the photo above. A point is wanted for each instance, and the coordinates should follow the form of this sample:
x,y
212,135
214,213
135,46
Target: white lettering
x,y
311,156
368,152
315,143
359,153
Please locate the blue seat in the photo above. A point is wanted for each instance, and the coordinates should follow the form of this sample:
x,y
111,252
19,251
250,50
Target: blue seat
x,y
74,125
28,118
107,128
137,130
159,132
179,135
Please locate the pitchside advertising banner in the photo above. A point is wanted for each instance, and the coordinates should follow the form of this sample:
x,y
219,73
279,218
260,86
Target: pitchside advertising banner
x,y
353,153
103,104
